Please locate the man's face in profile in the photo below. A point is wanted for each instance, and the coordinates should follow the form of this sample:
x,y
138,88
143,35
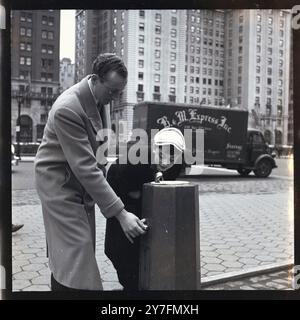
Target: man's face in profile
x,y
110,87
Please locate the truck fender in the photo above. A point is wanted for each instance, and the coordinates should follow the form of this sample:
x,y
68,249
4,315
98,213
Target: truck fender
x,y
265,156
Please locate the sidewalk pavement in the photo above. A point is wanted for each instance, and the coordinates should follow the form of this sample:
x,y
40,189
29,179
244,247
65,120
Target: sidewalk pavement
x,y
238,232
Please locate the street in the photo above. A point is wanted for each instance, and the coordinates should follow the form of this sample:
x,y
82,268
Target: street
x,y
245,224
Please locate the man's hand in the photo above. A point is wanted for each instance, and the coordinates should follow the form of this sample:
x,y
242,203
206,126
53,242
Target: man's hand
x,y
131,224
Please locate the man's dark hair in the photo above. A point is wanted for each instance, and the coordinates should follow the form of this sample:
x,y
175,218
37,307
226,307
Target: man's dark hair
x,y
106,62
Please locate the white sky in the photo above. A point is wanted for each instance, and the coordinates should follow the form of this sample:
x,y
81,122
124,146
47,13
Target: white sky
x,y
67,34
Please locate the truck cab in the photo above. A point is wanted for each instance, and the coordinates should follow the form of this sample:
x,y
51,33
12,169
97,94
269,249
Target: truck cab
x,y
258,156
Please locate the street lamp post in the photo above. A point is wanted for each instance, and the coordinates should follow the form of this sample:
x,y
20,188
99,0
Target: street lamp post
x,y
20,100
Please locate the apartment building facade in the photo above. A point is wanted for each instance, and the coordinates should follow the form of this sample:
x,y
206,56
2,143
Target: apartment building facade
x,y
34,70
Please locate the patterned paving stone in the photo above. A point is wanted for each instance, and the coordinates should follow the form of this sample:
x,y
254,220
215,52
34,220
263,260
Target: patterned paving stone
x,y
214,267
33,267
232,264
20,284
26,275
37,288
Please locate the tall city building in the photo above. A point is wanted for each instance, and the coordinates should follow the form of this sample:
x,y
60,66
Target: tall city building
x,y
233,58
149,42
34,70
257,72
204,71
66,73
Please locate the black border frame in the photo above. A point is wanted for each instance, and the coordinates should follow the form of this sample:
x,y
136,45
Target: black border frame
x,y
5,166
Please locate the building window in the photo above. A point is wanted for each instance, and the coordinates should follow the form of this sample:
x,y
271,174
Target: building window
x,y
140,88
258,38
28,32
258,49
270,30
258,28
270,41
281,33
257,90
44,48
50,35
22,46
173,44
156,89
280,43
281,23
158,29
258,69
158,17
269,70
157,53
173,68
269,61
257,80
258,59
44,20
141,51
270,20
157,78
269,91
157,42
28,47
51,21
172,79
28,61
270,51
142,13
280,63
174,21
280,92
141,75
280,72
22,16
141,63
22,60
141,39
50,49
173,56
142,26
44,34
269,81
173,33
157,66
22,31
172,91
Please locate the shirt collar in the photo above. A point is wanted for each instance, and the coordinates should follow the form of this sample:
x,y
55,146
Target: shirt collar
x,y
90,86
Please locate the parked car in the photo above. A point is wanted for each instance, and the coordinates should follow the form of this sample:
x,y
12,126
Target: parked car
x,y
14,159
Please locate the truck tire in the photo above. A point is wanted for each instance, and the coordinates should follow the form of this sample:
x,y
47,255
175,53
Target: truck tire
x,y
263,168
244,172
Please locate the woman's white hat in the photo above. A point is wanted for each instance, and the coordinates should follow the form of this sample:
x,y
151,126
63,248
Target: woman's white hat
x,y
170,136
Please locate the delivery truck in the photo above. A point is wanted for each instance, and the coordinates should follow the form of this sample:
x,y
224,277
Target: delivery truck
x,y
228,142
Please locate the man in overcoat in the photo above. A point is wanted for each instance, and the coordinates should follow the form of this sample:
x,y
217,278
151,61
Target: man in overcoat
x,y
70,180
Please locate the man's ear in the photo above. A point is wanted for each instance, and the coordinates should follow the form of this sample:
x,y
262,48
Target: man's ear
x,y
94,78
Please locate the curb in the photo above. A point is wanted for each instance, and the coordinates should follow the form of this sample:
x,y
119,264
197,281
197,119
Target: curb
x,y
256,271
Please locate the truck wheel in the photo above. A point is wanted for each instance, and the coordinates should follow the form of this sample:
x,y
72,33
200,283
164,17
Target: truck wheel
x,y
263,168
243,172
